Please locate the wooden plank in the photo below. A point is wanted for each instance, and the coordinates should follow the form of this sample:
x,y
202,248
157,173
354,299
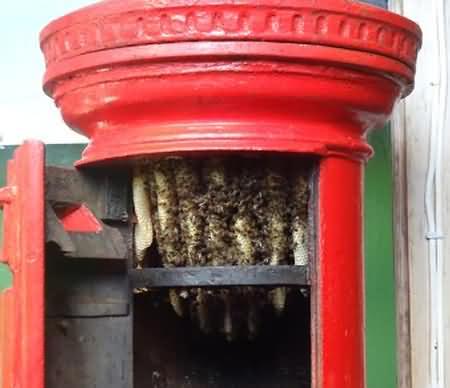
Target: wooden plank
x,y
401,252
258,275
411,134
401,249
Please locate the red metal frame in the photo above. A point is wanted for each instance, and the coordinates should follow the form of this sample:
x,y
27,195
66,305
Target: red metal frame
x,y
22,306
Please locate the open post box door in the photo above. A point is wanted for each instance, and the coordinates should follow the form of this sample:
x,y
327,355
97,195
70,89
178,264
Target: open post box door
x,y
22,305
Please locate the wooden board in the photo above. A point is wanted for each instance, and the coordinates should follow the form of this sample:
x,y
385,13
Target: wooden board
x,y
411,134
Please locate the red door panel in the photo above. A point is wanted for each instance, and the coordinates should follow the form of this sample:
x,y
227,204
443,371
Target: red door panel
x,y
22,306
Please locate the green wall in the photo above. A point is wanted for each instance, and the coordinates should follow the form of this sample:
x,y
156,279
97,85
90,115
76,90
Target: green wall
x,y
380,280
380,302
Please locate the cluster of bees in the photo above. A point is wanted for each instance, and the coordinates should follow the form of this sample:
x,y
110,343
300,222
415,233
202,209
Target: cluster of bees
x,y
219,211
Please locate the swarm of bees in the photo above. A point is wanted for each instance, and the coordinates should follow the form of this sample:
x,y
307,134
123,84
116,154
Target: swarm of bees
x,y
235,210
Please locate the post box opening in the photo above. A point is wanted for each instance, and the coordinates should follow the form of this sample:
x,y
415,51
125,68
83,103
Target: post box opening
x,y
218,336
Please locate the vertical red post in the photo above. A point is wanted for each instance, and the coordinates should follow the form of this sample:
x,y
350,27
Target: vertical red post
x,y
339,294
22,306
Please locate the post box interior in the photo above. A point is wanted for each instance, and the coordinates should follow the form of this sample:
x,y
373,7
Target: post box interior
x,y
103,330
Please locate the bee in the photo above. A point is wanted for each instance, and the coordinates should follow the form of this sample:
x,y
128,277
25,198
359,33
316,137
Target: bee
x,y
217,211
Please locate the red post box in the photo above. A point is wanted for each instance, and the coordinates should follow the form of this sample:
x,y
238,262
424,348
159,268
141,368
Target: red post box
x,y
197,79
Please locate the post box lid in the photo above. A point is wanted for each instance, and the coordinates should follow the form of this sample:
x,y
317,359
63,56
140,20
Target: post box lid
x,y
145,77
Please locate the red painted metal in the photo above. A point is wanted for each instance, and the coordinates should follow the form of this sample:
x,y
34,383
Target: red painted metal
x,y
309,76
144,78
22,306
78,219
6,195
338,292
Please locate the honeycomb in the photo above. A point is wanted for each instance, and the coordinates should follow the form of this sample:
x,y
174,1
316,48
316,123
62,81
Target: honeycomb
x,y
223,211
